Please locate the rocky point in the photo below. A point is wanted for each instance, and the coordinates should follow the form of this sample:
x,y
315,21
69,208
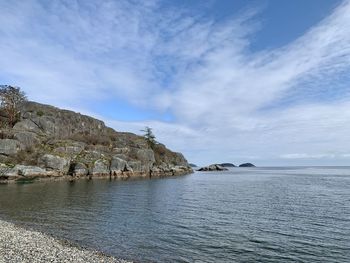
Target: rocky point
x,y
48,142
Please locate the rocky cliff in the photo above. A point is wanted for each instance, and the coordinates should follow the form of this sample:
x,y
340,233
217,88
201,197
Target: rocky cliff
x,y
50,142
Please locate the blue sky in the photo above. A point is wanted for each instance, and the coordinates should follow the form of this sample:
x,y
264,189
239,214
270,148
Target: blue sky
x,y
221,81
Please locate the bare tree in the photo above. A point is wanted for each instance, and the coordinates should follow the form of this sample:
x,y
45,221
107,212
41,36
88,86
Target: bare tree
x,y
10,100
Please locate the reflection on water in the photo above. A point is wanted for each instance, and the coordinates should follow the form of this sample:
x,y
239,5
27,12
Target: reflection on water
x,y
266,215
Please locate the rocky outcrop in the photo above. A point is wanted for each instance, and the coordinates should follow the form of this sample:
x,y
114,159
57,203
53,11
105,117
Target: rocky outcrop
x,y
53,162
26,125
48,142
9,146
27,139
100,168
57,122
147,159
79,169
227,165
119,166
29,171
246,165
212,167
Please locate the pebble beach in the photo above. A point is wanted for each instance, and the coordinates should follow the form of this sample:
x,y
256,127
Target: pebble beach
x,y
18,244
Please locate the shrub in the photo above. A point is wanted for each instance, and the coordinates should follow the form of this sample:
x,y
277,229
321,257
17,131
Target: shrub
x,y
40,113
93,139
27,156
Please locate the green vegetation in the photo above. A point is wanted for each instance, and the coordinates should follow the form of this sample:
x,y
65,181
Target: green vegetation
x,y
40,113
149,137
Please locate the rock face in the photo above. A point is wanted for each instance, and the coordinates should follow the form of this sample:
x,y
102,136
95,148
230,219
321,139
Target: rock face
x,y
9,146
246,165
79,169
48,142
212,167
29,170
53,162
27,139
100,168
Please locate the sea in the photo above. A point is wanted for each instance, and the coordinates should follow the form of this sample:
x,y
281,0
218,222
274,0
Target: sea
x,y
269,214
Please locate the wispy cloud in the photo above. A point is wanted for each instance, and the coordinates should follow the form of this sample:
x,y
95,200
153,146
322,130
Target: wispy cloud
x,y
228,102
306,156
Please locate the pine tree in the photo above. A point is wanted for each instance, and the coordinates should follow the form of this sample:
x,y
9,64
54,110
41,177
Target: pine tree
x,y
149,137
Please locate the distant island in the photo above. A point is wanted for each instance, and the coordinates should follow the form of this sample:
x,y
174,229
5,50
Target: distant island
x,y
246,165
227,165
43,141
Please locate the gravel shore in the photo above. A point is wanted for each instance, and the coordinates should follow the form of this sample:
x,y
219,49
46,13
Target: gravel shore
x,y
18,244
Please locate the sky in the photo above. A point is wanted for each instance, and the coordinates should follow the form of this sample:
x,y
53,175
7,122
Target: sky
x,y
234,81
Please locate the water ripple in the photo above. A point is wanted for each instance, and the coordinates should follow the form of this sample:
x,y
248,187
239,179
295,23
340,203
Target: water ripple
x,y
243,215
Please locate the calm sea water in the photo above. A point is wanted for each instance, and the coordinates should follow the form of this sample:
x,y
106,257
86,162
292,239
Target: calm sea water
x,y
243,215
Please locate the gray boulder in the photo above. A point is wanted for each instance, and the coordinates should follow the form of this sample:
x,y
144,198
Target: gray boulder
x,y
100,168
120,167
46,124
80,169
26,125
53,162
136,166
28,139
9,146
71,149
25,170
7,172
118,164
212,167
146,156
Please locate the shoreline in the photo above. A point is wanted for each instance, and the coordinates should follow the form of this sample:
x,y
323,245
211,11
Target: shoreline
x,y
71,178
20,244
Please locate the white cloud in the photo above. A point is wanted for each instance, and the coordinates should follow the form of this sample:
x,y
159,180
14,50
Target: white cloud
x,y
223,96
